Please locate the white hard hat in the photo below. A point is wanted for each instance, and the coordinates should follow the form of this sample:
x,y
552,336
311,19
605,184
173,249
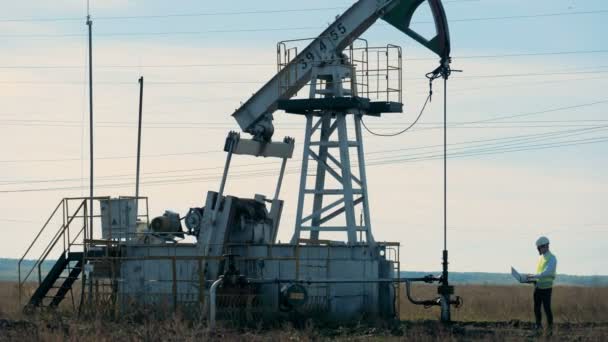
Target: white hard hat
x,y
543,240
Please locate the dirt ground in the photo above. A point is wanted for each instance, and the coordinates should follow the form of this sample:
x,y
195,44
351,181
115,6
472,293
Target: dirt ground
x,y
490,313
175,330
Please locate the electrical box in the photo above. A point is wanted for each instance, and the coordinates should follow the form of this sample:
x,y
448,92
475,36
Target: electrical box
x,y
118,218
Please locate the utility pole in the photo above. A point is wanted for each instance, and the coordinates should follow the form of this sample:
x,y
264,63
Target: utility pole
x,y
91,156
90,25
141,97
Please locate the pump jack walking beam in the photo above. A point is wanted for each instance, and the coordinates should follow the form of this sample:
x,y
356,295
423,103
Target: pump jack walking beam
x,y
255,115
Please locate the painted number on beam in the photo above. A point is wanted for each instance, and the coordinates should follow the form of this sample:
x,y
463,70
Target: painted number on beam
x,y
323,51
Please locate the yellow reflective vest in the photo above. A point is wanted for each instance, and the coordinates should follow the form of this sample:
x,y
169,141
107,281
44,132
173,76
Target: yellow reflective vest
x,y
545,277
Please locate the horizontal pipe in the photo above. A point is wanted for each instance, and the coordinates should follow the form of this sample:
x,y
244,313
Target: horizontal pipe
x,y
344,281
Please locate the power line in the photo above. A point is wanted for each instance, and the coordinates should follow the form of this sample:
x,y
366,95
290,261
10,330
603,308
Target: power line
x,y
456,125
506,140
510,139
527,84
224,125
272,29
529,16
507,55
556,109
496,125
213,65
536,74
107,158
482,153
500,144
273,172
510,116
203,14
215,82
515,143
204,65
176,15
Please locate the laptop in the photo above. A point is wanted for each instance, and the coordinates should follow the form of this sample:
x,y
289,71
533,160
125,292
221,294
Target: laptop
x,y
522,278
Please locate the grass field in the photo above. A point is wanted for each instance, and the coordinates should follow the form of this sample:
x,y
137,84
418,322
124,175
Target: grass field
x,y
490,313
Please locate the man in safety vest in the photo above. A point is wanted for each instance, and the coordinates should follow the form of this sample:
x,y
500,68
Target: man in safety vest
x,y
543,279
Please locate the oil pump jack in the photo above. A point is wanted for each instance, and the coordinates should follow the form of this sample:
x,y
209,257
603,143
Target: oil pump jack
x,y
236,262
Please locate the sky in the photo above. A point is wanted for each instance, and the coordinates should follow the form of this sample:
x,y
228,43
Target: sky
x,y
527,121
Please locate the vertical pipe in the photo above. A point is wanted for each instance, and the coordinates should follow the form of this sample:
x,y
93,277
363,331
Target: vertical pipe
x,y
201,284
90,25
67,210
212,301
141,96
19,275
174,288
445,292
91,155
84,257
64,228
445,164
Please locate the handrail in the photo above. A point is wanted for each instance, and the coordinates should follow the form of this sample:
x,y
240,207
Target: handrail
x,y
65,226
41,230
52,244
68,215
60,204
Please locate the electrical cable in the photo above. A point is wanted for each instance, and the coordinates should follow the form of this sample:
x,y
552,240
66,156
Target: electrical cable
x,y
431,76
519,137
214,82
204,65
282,29
500,144
468,145
175,15
295,170
428,98
182,15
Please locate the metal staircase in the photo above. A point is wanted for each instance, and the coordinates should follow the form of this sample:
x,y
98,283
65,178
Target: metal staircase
x,y
58,282
67,245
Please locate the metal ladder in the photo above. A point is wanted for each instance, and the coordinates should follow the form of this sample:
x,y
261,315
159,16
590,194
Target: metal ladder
x,y
58,281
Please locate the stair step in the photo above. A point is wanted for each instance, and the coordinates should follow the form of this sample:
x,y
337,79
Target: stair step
x,y
58,271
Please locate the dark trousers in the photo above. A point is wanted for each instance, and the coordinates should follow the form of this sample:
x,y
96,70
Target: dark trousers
x,y
543,297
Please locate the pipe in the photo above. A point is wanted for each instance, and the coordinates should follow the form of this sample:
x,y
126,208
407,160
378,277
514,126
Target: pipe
x,y
445,289
141,98
427,279
90,25
212,301
426,302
